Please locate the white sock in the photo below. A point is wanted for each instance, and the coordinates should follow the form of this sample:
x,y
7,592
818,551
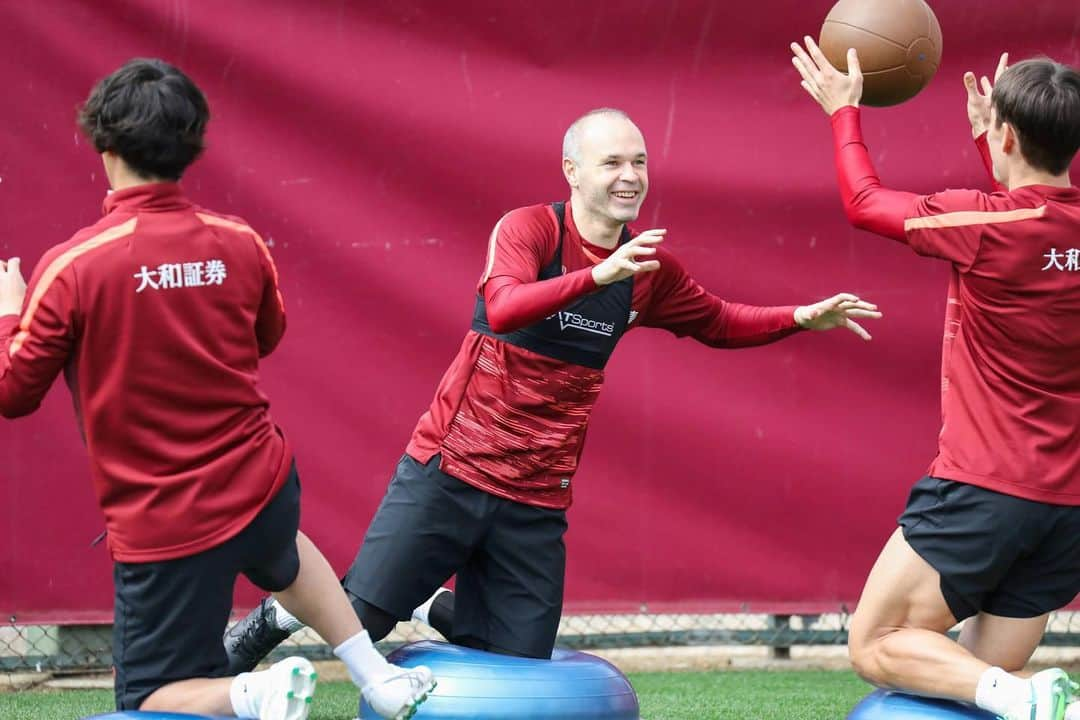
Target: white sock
x,y
364,662
421,613
999,691
246,693
1072,712
284,619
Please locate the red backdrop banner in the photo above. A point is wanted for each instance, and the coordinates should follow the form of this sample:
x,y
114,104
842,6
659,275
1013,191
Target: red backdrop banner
x,y
375,144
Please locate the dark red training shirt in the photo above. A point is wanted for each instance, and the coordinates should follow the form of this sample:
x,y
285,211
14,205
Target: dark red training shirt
x,y
1010,365
158,314
512,422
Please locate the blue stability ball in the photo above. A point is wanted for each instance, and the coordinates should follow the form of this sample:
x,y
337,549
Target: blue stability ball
x,y
139,715
476,685
886,705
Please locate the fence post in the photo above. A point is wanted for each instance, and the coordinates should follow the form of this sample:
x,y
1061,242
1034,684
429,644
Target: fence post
x,y
780,623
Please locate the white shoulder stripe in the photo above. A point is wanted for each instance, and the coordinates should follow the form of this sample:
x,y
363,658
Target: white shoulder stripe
x,y
972,217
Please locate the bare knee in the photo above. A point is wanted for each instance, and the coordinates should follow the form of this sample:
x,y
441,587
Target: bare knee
x,y
864,652
862,656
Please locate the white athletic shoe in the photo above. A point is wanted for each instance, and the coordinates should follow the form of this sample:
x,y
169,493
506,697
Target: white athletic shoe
x,y
1051,692
289,689
396,696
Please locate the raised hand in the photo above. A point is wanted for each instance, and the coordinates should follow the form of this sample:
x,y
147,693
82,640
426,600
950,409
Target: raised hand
x,y
978,103
630,258
12,287
837,312
831,88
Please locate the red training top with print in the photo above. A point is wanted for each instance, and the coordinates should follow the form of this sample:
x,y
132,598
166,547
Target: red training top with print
x,y
158,315
502,416
1010,366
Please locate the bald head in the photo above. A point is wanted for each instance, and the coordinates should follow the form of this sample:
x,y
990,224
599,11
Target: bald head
x,y
576,133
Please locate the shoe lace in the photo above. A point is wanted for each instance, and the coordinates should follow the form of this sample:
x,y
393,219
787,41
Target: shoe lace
x,y
254,632
417,680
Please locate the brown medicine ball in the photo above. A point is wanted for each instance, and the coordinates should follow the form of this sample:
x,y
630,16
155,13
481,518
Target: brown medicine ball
x,y
898,42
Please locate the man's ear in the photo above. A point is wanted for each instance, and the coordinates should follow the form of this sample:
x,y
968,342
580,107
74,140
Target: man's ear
x,y
1009,141
569,169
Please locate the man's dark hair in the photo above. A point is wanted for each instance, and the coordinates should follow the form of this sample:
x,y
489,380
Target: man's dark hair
x,y
150,114
1040,99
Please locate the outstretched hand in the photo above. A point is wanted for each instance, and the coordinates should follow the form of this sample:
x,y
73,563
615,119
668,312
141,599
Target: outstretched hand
x,y
978,103
12,287
831,88
631,258
838,311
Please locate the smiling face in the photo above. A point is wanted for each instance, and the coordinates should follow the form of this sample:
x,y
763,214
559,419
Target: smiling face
x,y
609,173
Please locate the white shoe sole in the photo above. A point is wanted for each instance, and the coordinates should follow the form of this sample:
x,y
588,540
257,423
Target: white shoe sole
x,y
409,710
298,692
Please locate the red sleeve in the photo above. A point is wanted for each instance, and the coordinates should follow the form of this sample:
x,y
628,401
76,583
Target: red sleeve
x,y
984,152
679,304
522,243
946,225
902,216
35,347
868,205
270,322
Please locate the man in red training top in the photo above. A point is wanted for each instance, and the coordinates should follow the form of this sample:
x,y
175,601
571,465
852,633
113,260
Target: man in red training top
x,y
158,314
992,534
484,484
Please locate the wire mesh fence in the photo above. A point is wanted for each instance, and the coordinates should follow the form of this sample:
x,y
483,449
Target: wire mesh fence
x,y
60,649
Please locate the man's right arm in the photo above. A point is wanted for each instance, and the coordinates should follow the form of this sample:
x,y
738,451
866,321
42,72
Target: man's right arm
x,y
899,215
36,343
867,204
523,242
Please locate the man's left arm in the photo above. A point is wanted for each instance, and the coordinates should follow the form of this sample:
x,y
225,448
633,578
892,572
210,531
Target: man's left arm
x,y
35,334
270,320
682,306
978,110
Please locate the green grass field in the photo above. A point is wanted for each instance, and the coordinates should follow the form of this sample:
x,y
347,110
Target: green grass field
x,y
738,695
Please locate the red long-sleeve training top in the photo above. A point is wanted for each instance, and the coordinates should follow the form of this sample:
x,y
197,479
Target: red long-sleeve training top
x,y
157,315
512,422
1010,363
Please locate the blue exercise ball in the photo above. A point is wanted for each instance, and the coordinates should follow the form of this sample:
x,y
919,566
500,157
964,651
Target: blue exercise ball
x,y
475,685
888,705
140,715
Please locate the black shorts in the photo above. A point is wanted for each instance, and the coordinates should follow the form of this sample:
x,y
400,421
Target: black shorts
x,y
170,615
509,558
995,553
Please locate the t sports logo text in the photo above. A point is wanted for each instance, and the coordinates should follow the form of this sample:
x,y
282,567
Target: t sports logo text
x,y
580,322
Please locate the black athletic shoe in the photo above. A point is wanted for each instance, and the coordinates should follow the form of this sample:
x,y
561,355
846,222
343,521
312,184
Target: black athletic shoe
x,y
250,640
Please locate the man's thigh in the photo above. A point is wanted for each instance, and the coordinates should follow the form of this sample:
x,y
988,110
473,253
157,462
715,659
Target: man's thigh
x,y
509,597
424,531
169,619
902,590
